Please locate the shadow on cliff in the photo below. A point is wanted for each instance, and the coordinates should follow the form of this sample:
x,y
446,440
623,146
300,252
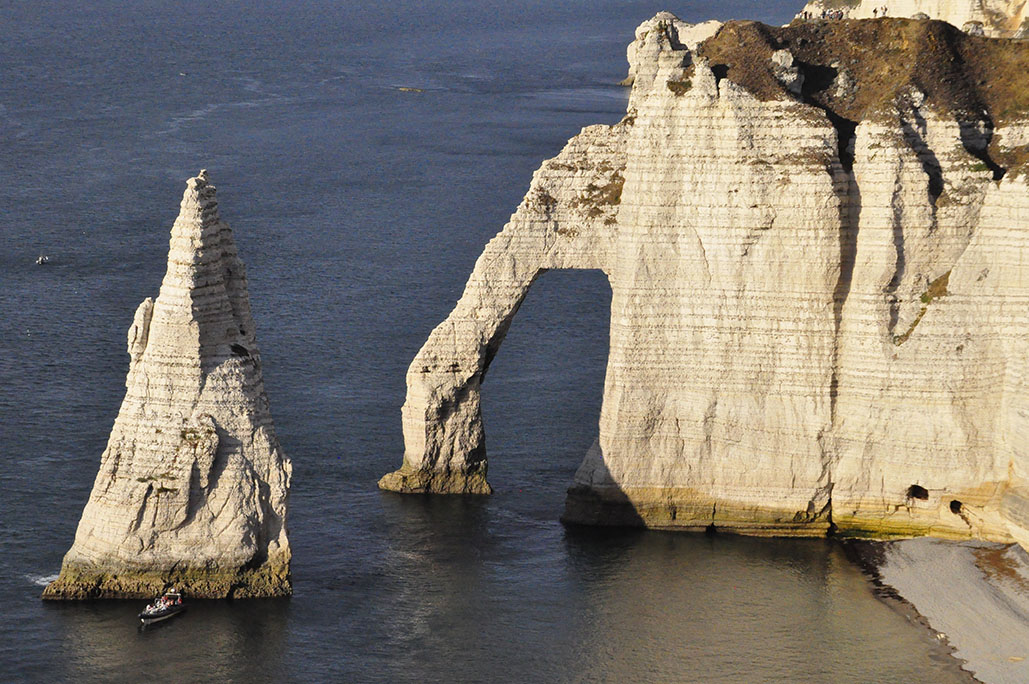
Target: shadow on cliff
x,y
604,506
976,138
818,79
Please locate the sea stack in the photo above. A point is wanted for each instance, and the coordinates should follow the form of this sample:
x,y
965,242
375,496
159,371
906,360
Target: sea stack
x,y
816,241
193,486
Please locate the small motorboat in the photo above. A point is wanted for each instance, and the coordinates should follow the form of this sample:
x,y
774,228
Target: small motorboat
x,y
168,605
43,259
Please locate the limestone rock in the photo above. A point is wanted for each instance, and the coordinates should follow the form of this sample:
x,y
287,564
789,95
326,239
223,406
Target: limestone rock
x,y
193,486
567,220
787,72
818,285
653,33
974,28
993,18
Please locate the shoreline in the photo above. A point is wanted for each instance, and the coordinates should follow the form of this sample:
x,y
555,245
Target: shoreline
x,y
972,598
869,556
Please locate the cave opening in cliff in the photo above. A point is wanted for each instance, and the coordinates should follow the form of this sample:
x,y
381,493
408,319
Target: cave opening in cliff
x,y
541,398
918,492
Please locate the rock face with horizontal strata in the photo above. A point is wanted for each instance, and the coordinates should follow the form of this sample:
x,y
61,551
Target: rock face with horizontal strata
x,y
193,486
815,238
993,18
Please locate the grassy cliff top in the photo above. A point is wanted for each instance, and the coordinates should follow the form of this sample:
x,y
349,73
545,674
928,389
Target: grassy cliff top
x,y
968,77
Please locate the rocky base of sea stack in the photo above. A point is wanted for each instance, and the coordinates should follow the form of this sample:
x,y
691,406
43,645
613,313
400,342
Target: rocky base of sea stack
x,y
415,481
271,579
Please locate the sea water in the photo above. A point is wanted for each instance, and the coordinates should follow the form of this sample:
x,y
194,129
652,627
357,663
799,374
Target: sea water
x,y
359,209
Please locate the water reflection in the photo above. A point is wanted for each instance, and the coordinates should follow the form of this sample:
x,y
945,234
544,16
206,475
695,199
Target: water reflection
x,y
212,641
437,555
674,607
477,590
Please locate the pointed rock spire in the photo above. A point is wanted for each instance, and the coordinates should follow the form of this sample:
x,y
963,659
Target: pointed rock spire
x,y
193,485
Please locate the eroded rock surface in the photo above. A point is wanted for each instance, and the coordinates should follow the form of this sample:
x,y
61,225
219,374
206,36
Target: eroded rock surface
x,y
193,486
816,241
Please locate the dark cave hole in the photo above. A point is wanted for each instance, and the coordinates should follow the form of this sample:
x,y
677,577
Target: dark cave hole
x,y
720,71
918,492
955,507
817,77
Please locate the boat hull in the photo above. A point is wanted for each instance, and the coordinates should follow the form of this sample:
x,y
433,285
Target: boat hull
x,y
162,615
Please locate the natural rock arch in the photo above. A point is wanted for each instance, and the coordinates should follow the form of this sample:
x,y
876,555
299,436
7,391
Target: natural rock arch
x,y
567,220
816,289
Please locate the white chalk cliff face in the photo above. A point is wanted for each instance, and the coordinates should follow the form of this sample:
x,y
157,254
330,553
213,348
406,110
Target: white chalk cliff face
x,y
993,18
646,53
193,487
816,239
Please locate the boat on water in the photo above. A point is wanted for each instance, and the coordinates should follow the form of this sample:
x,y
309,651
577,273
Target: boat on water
x,y
168,605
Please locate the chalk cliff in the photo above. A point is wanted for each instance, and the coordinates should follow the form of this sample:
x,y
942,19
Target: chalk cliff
x,y
816,238
993,18
193,486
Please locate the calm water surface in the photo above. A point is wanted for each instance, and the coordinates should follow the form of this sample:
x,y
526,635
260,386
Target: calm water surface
x,y
359,210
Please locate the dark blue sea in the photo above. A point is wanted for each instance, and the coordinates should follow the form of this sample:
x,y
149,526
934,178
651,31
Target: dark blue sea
x,y
359,210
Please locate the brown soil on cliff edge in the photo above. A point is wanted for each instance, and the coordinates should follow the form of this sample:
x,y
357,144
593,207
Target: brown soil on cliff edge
x,y
967,76
857,69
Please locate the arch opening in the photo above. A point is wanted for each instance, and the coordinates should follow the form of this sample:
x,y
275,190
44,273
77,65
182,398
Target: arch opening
x,y
542,395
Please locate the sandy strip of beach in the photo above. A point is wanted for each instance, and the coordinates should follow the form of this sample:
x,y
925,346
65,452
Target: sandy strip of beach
x,y
973,595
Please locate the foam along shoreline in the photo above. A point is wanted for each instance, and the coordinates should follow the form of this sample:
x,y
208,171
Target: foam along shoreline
x,y
973,597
